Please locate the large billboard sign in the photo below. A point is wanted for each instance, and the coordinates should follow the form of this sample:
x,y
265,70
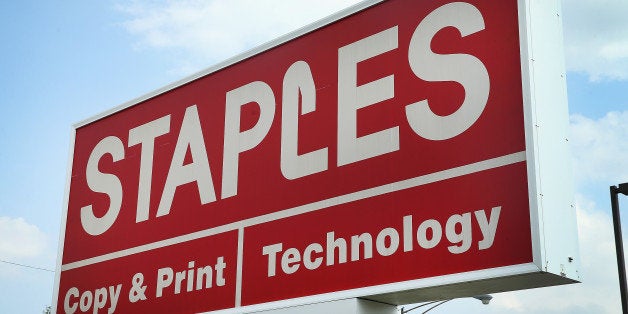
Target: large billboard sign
x,y
391,152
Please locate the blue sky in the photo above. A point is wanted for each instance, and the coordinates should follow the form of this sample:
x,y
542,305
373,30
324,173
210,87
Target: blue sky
x,y
62,62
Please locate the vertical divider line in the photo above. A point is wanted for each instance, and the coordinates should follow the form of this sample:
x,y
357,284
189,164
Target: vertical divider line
x,y
238,292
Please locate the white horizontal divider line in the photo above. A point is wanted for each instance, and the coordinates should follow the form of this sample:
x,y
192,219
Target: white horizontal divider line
x,y
302,209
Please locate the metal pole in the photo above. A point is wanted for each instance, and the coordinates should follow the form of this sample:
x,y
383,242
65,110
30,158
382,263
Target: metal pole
x,y
619,246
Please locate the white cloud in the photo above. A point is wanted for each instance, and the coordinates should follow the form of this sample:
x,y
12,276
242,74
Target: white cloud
x,y
20,242
600,148
19,239
210,31
596,38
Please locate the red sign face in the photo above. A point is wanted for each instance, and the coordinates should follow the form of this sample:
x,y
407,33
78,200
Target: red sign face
x,y
394,136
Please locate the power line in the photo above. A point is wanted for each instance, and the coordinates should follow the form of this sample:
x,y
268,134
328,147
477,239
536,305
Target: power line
x,y
27,266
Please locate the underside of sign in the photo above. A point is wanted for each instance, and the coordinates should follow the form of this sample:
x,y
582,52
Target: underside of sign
x,y
399,151
530,277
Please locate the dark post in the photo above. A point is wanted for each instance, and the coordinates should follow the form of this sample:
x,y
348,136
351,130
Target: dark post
x,y
619,246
